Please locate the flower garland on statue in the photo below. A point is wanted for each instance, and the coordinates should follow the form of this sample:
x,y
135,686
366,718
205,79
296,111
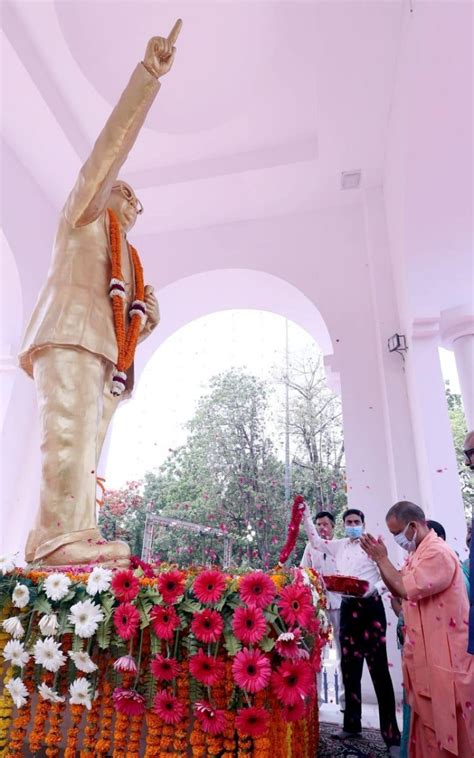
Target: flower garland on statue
x,y
127,339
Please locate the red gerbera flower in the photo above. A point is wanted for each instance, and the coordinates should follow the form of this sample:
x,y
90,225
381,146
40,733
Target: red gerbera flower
x,y
164,620
252,721
257,589
212,720
163,668
125,585
129,702
292,681
207,626
168,707
209,586
249,625
287,644
205,668
251,670
294,712
171,585
296,605
126,620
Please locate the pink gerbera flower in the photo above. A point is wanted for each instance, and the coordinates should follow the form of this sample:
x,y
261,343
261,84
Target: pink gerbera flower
x,y
257,589
209,586
296,605
207,626
164,669
212,720
126,620
249,625
125,585
126,663
168,707
205,668
252,721
294,712
292,681
251,670
287,644
164,620
129,702
171,585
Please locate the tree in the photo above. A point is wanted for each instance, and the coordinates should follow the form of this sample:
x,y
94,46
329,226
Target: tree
x,y
123,514
316,434
459,430
227,475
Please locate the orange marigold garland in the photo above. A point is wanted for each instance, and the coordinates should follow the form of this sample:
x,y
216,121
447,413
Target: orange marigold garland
x,y
38,734
73,731
105,738
127,339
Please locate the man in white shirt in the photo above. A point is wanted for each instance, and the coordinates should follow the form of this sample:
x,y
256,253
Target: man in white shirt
x,y
324,564
362,630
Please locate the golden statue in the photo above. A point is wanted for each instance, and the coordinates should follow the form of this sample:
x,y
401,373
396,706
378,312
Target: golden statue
x,y
80,341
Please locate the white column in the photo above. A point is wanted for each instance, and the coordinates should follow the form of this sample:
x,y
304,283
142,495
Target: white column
x,y
457,333
438,471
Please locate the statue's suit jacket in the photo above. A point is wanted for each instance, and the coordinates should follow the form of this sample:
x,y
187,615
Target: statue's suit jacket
x,y
74,308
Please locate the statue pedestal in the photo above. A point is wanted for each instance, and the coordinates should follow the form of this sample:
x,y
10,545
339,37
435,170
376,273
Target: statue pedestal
x,y
155,671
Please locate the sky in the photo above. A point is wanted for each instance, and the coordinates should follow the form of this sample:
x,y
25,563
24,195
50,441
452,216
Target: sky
x,y
146,427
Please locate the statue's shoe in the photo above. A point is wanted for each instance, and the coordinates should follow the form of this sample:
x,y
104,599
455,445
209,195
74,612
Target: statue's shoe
x,y
86,553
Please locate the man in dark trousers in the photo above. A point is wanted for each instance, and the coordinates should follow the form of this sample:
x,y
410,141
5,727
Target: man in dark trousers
x,y
362,630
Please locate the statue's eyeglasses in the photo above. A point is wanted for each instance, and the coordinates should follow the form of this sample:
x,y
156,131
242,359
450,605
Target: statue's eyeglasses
x,y
127,193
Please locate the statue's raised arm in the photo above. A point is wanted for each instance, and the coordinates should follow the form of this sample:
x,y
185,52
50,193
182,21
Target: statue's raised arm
x,y
91,193
92,311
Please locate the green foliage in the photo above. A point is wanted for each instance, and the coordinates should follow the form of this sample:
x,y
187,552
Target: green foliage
x,y
459,430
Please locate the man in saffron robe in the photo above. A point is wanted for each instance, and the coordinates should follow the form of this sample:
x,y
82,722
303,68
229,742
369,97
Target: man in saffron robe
x,y
437,670
469,458
70,347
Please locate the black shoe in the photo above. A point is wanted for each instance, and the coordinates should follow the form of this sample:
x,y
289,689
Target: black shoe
x,y
343,735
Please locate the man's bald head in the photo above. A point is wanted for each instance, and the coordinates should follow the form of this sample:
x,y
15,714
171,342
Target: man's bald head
x,y
469,450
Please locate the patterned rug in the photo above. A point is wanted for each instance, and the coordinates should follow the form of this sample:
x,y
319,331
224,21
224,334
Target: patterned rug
x,y
370,746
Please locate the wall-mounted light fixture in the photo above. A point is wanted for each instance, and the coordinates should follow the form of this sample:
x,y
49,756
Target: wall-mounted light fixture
x,y
397,344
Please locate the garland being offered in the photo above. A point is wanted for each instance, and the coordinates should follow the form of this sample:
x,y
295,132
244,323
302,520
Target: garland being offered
x,y
127,338
293,529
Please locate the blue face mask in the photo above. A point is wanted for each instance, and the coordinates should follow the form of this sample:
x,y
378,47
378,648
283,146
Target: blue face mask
x,y
354,532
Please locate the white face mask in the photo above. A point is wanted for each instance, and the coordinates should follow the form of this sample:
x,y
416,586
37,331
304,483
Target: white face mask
x,y
402,540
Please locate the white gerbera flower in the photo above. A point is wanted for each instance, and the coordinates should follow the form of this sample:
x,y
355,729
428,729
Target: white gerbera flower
x,y
286,637
7,563
56,586
47,693
85,616
14,627
15,652
20,595
48,653
83,661
99,580
18,691
48,624
80,693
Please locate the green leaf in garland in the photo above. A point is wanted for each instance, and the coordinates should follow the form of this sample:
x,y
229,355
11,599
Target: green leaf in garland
x,y
190,606
144,607
232,644
267,644
104,633
42,605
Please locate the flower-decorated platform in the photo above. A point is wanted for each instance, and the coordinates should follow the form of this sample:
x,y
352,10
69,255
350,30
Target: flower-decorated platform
x,y
160,662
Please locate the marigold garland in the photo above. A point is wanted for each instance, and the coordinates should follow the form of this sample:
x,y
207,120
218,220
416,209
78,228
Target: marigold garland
x,y
127,338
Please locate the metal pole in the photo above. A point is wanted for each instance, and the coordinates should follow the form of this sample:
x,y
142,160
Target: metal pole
x,y
287,426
